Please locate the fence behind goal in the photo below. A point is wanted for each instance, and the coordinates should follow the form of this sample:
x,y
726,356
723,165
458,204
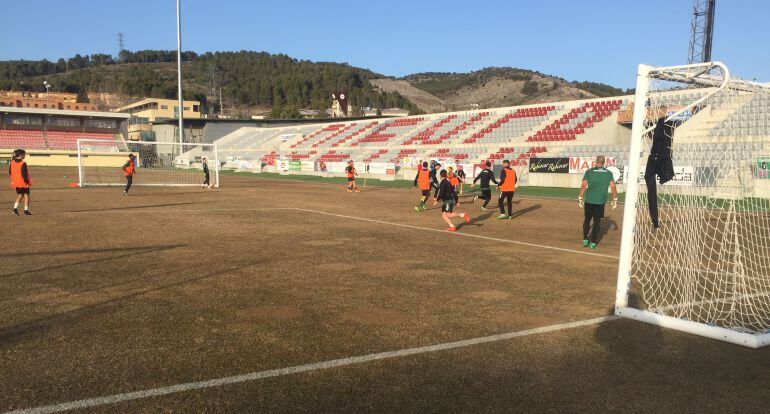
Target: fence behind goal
x,y
100,163
695,253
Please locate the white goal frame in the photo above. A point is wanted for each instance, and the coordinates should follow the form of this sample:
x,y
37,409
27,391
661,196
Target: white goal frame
x,y
639,129
186,152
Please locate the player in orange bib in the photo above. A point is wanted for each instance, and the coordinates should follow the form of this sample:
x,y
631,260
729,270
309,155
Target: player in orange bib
x,y
351,173
129,169
422,181
454,179
19,173
507,186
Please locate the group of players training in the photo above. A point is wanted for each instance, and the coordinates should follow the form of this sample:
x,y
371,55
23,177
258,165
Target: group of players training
x,y
21,183
446,182
443,182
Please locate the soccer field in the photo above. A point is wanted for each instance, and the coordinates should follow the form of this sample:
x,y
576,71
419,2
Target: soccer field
x,y
275,295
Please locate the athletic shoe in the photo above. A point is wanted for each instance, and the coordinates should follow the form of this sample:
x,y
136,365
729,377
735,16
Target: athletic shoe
x,y
585,242
502,217
27,213
125,193
417,209
510,217
475,198
593,246
451,229
16,212
483,208
467,218
349,190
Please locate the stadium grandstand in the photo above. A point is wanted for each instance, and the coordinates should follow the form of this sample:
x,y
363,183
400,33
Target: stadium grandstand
x,y
50,136
582,128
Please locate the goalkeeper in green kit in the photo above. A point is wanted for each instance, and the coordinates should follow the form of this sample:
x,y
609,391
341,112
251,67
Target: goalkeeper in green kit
x,y
593,196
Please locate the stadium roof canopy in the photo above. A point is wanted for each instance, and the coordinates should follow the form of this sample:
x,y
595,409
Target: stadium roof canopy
x,y
63,112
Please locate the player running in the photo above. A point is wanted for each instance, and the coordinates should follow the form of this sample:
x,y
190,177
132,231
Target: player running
x,y
19,173
434,180
461,176
506,186
351,172
595,184
485,176
454,179
447,195
422,180
207,176
129,169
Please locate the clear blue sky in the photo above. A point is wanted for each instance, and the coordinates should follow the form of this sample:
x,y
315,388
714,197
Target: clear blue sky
x,y
578,40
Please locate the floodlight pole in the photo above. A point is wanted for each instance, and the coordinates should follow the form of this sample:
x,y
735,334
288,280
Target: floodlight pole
x,y
180,113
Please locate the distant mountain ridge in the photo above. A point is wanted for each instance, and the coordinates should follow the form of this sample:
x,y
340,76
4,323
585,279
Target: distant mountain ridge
x,y
490,87
252,81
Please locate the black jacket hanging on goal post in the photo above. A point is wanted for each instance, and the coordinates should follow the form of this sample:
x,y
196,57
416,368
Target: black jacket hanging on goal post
x,y
659,163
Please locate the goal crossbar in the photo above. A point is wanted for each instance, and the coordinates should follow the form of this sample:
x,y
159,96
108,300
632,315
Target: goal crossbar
x,y
100,163
706,271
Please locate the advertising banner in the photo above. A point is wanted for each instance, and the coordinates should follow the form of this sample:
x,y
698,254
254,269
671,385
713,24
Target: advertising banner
x,y
383,168
295,165
336,167
307,166
579,165
282,164
684,176
549,165
763,168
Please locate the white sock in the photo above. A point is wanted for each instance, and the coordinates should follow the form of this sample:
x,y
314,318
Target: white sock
x,y
16,205
26,208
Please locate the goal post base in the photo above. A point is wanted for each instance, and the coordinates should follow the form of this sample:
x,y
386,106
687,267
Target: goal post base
x,y
707,331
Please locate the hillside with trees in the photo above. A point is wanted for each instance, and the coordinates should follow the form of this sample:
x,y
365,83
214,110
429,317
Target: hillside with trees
x,y
262,82
490,87
248,79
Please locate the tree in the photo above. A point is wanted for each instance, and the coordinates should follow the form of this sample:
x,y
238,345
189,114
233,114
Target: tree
x,y
530,88
82,96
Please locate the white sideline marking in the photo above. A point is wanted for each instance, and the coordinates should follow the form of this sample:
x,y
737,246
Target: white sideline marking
x,y
160,210
334,363
540,246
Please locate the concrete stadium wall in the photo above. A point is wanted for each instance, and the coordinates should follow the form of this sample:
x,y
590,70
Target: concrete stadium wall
x,y
48,158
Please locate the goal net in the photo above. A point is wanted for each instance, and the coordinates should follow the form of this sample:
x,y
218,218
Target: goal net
x,y
100,163
695,253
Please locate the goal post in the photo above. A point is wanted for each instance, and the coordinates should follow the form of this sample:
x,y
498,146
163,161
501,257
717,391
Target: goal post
x,y
100,163
705,268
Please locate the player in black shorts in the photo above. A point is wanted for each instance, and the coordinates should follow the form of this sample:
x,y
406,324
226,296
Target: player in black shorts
x,y
461,175
447,196
351,173
422,181
485,176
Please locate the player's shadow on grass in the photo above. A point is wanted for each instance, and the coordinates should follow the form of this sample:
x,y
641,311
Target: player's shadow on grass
x,y
19,331
523,211
140,207
76,251
171,193
482,217
606,225
128,252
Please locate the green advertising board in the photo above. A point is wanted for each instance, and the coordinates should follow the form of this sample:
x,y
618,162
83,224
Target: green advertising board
x,y
763,168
